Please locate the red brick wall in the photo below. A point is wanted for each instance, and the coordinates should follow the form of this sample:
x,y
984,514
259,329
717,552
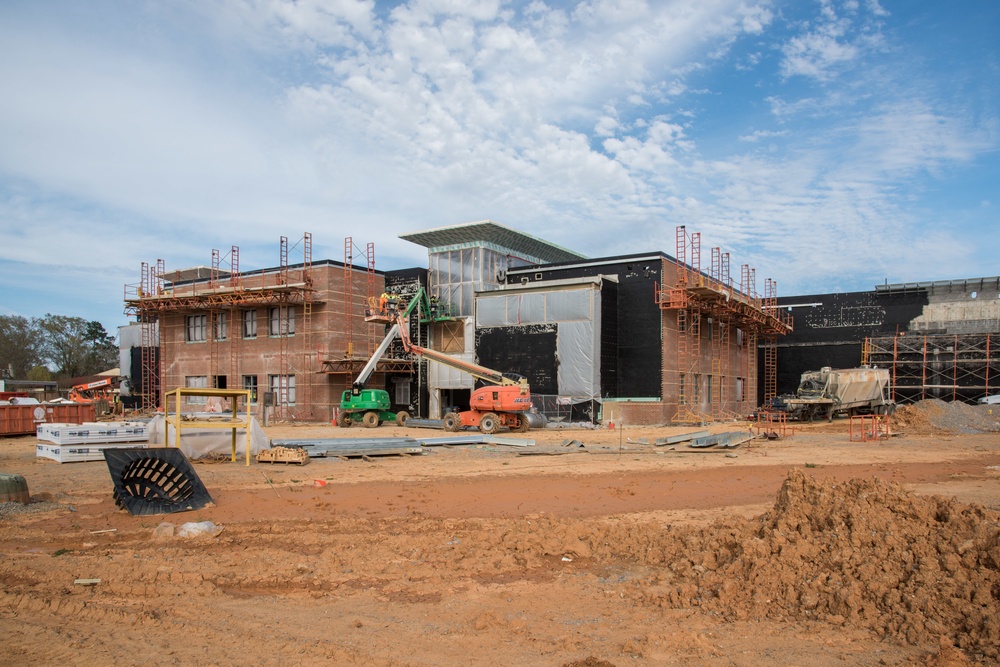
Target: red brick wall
x,y
732,365
333,329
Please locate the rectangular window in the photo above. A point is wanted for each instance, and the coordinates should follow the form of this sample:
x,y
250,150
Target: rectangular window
x,y
250,383
708,388
220,382
739,338
196,328
281,321
221,326
739,389
708,328
283,387
249,323
196,382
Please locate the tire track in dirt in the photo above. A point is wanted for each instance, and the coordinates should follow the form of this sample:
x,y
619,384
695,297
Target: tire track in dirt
x,y
569,496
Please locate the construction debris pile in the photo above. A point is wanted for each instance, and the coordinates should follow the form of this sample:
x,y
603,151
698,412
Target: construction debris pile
x,y
953,417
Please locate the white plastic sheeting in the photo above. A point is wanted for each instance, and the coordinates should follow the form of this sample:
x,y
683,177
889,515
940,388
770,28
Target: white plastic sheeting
x,y
130,335
561,305
578,349
209,442
444,377
575,309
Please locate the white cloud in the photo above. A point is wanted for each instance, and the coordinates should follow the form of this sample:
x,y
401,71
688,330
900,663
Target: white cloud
x,y
757,135
910,136
832,44
276,25
815,55
590,124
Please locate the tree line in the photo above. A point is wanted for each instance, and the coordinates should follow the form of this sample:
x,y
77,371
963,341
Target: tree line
x,y
54,347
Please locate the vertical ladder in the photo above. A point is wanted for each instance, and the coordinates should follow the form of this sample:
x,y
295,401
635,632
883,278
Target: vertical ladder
x,y
770,305
348,300
370,293
304,380
235,321
283,261
725,376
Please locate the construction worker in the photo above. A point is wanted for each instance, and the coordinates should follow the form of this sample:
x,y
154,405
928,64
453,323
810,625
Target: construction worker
x,y
383,302
434,306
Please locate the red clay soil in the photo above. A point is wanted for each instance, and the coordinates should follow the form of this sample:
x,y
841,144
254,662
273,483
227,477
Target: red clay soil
x,y
807,550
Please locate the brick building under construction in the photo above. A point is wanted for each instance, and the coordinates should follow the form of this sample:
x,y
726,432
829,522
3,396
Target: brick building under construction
x,y
641,339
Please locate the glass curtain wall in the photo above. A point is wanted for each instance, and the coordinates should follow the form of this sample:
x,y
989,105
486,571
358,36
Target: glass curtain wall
x,y
456,274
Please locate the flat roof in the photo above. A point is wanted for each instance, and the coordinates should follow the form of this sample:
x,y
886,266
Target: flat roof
x,y
965,284
486,231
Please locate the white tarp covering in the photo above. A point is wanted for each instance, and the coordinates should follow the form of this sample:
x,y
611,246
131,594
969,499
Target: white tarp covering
x,y
491,311
129,336
562,305
445,377
578,350
576,310
200,443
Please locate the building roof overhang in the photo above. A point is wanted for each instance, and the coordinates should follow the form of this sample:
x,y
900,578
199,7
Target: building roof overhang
x,y
523,245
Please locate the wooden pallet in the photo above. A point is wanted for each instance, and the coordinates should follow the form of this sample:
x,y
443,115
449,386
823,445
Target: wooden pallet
x,y
283,455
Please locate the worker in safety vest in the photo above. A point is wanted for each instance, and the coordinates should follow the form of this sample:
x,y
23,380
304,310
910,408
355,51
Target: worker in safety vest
x,y
383,301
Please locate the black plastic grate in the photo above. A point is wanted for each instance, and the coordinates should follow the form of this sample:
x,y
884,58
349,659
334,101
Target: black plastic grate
x,y
155,481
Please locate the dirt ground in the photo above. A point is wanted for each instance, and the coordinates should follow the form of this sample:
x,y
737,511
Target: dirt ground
x,y
811,549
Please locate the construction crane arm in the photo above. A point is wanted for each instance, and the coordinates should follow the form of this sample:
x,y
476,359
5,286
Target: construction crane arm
x,y
401,328
475,370
366,372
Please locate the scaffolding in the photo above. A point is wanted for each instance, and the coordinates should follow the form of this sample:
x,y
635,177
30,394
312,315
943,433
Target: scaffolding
x,y
953,367
150,283
696,295
352,361
220,294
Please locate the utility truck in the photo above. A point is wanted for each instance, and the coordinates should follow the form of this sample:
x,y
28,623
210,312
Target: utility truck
x,y
826,392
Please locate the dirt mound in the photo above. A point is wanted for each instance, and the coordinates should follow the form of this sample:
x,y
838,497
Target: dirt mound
x,y
953,417
864,553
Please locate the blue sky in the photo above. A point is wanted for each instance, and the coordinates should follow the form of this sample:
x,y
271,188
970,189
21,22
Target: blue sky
x,y
830,145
